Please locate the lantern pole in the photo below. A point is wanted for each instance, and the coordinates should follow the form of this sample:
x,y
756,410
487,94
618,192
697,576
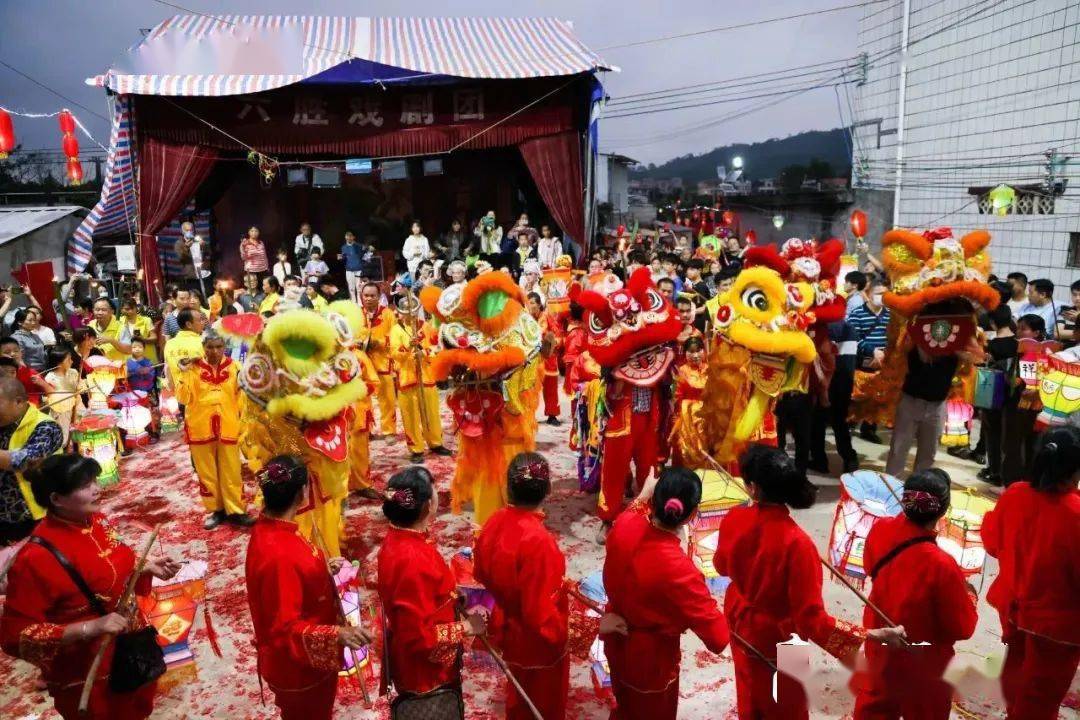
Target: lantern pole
x,y
901,100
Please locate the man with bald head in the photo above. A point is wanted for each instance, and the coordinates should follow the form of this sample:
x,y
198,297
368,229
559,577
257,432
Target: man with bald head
x,y
26,435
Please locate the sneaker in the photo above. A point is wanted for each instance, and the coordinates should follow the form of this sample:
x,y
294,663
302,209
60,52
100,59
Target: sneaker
x,y
984,473
554,421
962,452
871,437
440,450
417,458
213,520
240,520
978,458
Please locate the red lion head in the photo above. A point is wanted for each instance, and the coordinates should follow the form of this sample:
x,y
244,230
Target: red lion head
x,y
624,324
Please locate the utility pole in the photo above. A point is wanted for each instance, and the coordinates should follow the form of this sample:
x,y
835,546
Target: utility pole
x,y
902,95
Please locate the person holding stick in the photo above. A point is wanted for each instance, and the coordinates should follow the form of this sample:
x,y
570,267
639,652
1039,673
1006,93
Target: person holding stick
x,y
412,345
519,562
918,586
1034,532
299,636
48,620
658,593
422,637
775,588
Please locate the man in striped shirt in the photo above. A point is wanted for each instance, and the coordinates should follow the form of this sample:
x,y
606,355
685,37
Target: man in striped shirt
x,y
870,322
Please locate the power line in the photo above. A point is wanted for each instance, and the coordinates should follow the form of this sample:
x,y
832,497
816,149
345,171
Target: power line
x,y
58,94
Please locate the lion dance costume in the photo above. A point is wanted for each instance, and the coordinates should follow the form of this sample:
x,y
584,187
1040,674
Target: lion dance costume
x,y
490,353
629,332
303,381
936,282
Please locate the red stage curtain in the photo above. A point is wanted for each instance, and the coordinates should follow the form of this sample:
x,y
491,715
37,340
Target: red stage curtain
x,y
169,175
555,164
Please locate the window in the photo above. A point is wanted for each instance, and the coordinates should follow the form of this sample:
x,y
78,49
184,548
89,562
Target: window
x,y
1073,258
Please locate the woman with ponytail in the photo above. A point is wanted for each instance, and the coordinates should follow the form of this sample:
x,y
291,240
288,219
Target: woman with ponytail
x,y
298,636
775,588
655,587
919,586
418,594
1034,532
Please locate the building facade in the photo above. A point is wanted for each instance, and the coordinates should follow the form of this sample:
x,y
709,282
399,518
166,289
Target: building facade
x,y
986,94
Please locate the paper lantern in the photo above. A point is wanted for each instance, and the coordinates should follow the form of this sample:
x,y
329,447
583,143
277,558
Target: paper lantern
x,y
1001,199
7,134
727,217
1059,391
101,377
960,530
778,221
751,238
958,415
133,418
720,492
857,223
74,171
67,122
96,436
1030,353
168,408
70,145
592,587
171,607
348,585
865,498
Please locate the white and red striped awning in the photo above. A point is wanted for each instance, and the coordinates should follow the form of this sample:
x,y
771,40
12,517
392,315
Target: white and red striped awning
x,y
239,54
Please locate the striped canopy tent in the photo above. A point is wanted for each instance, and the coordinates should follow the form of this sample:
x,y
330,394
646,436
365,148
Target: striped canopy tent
x,y
188,61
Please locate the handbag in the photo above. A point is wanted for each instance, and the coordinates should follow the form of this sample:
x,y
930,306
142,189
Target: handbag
x,y
989,388
137,657
442,703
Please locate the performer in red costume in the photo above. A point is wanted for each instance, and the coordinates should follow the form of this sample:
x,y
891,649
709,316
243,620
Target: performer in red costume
x,y
1034,532
422,635
919,586
552,333
653,585
573,345
518,561
775,588
294,605
48,620
629,332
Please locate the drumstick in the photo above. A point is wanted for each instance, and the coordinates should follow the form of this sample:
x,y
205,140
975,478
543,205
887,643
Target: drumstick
x,y
859,594
510,676
140,564
341,613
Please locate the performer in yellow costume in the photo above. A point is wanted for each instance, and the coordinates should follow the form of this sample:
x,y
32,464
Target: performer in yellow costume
x,y
208,389
302,381
375,341
687,433
413,343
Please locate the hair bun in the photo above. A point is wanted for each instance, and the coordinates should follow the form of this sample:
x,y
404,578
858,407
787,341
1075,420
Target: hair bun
x,y
674,508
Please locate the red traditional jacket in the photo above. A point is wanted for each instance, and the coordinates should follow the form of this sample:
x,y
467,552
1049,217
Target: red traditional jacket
x,y
775,588
418,595
921,588
572,346
43,599
653,584
519,562
293,607
1035,536
551,324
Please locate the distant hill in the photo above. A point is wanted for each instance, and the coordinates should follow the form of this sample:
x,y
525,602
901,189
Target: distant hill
x,y
762,160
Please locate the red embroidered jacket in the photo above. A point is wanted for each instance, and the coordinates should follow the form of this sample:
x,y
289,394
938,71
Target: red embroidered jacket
x,y
519,562
43,599
418,594
775,585
653,584
1035,536
293,605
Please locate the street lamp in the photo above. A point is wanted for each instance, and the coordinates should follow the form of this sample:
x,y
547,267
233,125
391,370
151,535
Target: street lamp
x,y
736,162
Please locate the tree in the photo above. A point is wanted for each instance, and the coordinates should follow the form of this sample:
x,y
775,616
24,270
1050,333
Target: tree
x,y
819,169
791,177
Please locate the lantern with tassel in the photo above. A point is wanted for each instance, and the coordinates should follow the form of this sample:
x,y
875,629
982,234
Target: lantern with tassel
x,y
960,530
857,223
865,498
70,144
7,134
96,437
751,238
348,583
1001,199
171,608
778,221
720,492
728,218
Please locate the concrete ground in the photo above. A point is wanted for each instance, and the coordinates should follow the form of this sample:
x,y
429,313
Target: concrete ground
x,y
158,486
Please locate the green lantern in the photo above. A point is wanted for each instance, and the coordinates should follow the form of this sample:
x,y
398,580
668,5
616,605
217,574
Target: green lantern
x,y
1001,199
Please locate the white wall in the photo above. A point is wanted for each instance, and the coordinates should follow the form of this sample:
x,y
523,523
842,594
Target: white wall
x,y
990,87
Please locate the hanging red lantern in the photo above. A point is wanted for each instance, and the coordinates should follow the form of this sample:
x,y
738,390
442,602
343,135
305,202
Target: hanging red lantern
x,y
728,217
858,224
74,171
71,146
751,238
7,134
67,122
620,231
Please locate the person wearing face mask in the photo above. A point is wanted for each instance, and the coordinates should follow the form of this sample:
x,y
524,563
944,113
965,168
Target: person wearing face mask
x,y
870,322
52,622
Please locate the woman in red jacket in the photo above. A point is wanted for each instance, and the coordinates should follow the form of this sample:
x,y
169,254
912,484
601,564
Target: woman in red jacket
x,y
919,586
775,588
294,606
417,590
1034,532
655,587
48,620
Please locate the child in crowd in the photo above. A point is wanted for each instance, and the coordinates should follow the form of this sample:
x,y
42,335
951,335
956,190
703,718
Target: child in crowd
x,y
64,403
140,369
315,267
15,367
282,268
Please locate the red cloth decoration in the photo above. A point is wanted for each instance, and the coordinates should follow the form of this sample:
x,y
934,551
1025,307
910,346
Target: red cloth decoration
x,y
169,175
555,164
